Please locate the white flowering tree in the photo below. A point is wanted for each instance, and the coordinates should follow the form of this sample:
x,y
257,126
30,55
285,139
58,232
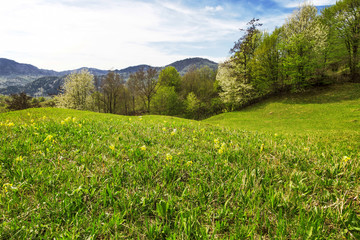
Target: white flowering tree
x,y
78,89
235,92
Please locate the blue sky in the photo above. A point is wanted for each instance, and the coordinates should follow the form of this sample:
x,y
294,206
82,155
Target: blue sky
x,y
113,34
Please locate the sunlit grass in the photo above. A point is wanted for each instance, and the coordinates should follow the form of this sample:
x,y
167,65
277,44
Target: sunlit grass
x,y
333,109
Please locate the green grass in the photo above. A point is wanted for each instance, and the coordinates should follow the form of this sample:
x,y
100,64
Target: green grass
x,y
333,109
74,174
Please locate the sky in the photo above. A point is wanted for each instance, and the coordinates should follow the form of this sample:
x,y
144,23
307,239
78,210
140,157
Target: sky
x,y
114,34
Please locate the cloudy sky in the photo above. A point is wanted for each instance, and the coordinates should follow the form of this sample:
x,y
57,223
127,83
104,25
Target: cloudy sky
x,y
113,34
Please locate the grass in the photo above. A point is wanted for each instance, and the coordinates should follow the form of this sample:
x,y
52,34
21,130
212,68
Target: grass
x,y
330,109
73,174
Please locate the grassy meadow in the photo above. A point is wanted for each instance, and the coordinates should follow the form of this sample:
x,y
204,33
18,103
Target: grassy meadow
x,y
284,169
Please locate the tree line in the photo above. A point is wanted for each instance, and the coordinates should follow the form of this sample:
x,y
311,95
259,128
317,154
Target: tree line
x,y
310,49
147,91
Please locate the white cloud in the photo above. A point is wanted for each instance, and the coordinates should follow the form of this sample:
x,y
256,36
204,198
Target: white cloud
x,y
297,3
69,34
214,9
108,34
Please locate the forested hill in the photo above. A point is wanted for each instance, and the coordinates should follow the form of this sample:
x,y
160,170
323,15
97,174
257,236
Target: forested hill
x,y
183,66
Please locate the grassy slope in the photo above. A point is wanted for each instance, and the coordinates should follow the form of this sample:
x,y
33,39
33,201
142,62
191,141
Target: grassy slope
x,y
331,109
74,174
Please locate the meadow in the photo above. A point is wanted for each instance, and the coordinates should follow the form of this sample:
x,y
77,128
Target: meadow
x,y
287,168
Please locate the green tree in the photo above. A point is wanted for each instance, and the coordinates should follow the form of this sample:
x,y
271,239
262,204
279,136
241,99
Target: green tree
x,y
266,65
167,102
192,105
78,88
18,101
201,82
170,77
303,42
243,50
343,18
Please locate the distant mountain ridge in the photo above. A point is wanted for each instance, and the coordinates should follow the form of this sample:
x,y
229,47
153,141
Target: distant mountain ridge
x,y
19,77
10,67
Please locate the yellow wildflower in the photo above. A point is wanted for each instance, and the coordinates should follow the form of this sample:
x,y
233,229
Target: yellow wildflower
x,y
168,156
222,148
164,129
216,141
189,163
11,124
48,138
62,122
74,119
80,125
19,159
143,148
6,186
346,158
262,147
112,147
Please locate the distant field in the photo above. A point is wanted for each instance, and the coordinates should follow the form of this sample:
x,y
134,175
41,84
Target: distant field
x,y
285,169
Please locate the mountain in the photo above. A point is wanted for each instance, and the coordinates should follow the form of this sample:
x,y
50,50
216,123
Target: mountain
x,y
184,66
10,68
19,74
93,71
43,86
18,77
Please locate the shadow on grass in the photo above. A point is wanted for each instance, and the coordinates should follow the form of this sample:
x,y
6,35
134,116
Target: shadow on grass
x,y
324,94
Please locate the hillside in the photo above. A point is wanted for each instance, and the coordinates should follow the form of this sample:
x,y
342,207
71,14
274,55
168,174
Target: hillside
x,y
75,174
19,74
16,77
10,68
184,66
332,109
